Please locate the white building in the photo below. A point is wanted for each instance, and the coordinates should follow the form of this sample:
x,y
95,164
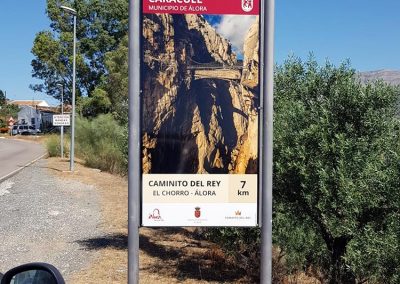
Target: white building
x,y
31,116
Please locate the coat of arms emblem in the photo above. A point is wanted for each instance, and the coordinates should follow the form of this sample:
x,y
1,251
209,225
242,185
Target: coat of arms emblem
x,y
247,5
197,212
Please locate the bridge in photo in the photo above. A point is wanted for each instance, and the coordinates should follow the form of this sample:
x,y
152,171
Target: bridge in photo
x,y
216,70
209,70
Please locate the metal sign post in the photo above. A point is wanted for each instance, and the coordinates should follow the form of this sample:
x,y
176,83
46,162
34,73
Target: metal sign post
x,y
134,142
62,126
267,126
62,120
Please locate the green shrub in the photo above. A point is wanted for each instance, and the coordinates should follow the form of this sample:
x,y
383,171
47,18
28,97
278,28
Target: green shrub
x,y
3,124
53,145
101,142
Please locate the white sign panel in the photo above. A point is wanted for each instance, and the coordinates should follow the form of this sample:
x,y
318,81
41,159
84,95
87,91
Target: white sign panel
x,y
203,200
61,120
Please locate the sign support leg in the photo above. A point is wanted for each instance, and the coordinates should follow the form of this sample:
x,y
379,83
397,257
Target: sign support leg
x,y
62,142
267,125
134,142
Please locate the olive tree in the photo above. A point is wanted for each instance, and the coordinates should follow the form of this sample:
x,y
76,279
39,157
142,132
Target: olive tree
x,y
337,172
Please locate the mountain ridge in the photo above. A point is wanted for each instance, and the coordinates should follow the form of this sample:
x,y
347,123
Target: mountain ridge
x,y
391,77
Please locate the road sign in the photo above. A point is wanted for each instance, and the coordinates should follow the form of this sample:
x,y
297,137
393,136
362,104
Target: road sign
x,y
200,82
61,120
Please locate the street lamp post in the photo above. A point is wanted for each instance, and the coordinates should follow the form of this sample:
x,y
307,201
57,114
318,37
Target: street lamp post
x,y
62,126
72,151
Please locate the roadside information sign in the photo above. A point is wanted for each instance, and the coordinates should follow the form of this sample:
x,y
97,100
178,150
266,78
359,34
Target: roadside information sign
x,y
61,120
200,101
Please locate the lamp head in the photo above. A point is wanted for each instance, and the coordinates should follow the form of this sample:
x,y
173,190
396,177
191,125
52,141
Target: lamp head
x,y
69,10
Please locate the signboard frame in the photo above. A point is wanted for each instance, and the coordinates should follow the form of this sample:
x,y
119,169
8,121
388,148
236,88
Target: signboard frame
x,y
134,181
148,212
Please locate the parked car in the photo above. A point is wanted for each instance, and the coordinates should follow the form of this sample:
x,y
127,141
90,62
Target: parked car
x,y
24,130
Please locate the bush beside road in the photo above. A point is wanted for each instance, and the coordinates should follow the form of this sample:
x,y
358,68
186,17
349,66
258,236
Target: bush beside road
x,y
100,142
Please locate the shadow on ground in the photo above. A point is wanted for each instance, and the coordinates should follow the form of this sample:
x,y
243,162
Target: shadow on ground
x,y
179,253
114,241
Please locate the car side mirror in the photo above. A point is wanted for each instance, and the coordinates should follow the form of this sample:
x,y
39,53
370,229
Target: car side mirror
x,y
33,273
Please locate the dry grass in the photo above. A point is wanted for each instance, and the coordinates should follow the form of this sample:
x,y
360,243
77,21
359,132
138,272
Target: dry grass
x,y
301,278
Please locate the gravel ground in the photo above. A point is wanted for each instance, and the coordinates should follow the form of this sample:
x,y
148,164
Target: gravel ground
x,y
43,218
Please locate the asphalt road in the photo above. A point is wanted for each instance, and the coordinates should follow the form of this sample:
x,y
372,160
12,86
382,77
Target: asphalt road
x,y
15,154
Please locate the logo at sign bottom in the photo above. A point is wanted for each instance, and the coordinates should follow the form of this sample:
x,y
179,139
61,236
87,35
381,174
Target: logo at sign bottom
x,y
197,212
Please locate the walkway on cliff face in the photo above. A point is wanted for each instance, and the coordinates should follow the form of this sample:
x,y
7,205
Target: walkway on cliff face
x,y
224,74
209,70
216,70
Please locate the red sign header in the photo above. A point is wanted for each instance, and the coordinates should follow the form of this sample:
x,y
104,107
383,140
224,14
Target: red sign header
x,y
213,7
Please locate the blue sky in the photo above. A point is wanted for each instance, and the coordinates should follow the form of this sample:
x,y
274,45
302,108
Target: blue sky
x,y
366,32
19,23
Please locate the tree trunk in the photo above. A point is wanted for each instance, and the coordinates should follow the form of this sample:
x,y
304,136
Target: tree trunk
x,y
338,272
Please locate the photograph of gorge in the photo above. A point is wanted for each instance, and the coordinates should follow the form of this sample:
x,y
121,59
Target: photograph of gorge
x,y
201,94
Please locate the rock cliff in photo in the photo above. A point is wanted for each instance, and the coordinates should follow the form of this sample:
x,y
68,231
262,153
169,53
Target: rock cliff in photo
x,y
200,104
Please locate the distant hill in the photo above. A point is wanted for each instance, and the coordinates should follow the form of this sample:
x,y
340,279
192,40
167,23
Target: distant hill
x,y
390,76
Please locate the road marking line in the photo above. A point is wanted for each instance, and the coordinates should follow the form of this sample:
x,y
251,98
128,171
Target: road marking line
x,y
21,168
